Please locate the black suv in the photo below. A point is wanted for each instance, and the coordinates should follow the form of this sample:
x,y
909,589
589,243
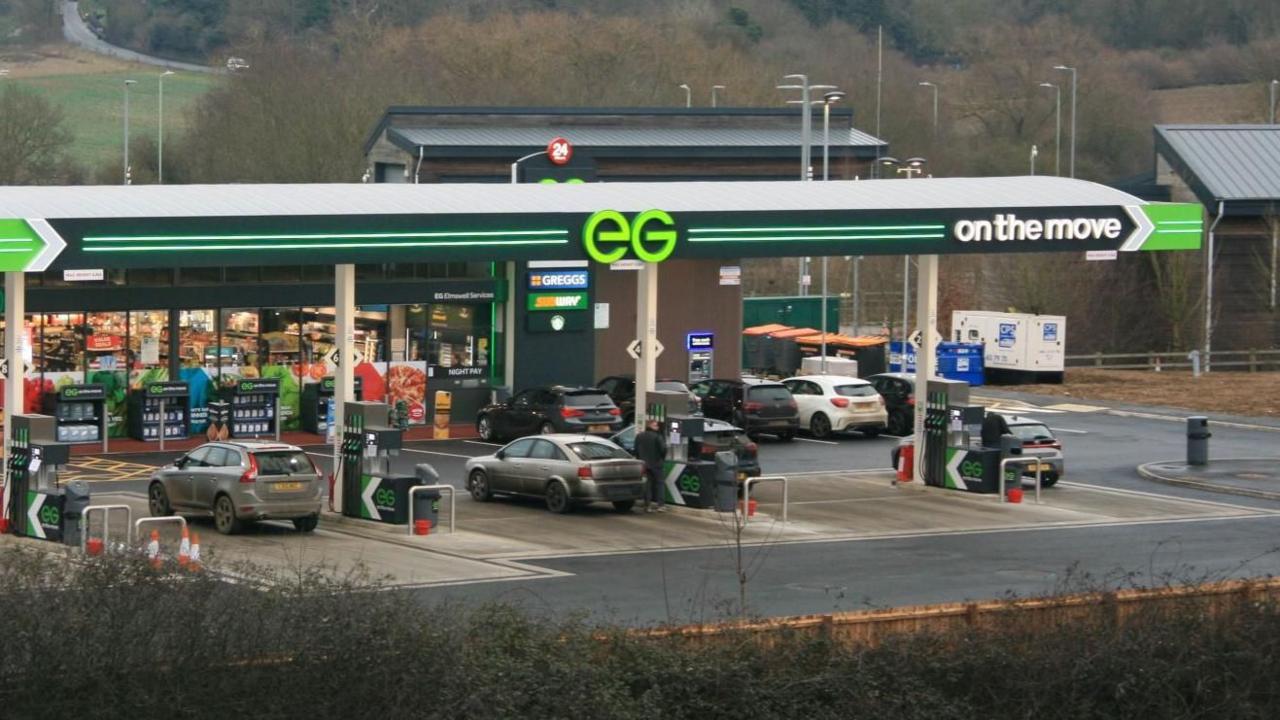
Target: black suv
x,y
550,409
899,393
622,390
755,406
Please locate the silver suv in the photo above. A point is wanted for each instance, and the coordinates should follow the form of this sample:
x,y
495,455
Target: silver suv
x,y
238,482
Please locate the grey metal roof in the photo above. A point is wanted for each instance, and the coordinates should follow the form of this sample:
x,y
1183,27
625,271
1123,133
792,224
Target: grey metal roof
x,y
1226,162
491,136
107,201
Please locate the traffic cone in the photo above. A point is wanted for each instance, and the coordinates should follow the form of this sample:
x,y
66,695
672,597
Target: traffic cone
x,y
193,563
153,549
184,548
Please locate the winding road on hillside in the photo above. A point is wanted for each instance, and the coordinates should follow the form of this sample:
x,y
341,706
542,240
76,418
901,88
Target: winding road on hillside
x,y
77,32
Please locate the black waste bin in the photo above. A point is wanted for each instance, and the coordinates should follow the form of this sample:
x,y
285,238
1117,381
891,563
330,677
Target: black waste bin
x,y
726,481
1198,440
426,503
75,500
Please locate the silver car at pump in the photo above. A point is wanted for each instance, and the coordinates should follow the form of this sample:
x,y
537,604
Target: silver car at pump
x,y
562,468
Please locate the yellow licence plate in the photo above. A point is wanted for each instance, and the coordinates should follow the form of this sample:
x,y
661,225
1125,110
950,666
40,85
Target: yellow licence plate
x,y
288,486
742,477
1045,467
598,428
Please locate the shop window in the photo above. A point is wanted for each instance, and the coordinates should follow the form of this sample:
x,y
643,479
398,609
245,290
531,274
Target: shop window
x,y
62,343
198,340
280,336
240,346
459,336
148,346
149,276
416,332
371,333
105,341
199,275
318,332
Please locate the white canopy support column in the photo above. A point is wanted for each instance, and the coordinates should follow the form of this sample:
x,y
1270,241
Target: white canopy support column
x,y
344,303
15,286
927,317
509,331
647,334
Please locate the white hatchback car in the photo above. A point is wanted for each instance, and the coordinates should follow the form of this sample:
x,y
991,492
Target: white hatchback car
x,y
836,403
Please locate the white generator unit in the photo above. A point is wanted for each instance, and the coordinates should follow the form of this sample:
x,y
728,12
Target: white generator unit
x,y
1017,347
845,367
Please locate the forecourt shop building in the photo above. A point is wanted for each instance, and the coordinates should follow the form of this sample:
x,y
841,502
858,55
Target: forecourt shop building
x,y
84,230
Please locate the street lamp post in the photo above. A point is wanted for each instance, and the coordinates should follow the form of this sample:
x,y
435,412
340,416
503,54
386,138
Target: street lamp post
x,y
688,95
1271,106
1057,132
1034,153
806,130
160,142
910,167
127,85
828,99
935,105
715,100
1071,70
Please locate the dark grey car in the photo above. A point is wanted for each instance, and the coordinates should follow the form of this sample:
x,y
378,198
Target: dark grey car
x,y
563,468
237,482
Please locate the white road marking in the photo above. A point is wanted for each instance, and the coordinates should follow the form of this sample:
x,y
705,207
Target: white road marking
x,y
1178,418
1070,430
482,442
824,442
436,452
1175,498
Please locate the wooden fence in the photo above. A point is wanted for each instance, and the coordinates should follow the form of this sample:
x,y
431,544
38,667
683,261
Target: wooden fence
x,y
1251,360
870,627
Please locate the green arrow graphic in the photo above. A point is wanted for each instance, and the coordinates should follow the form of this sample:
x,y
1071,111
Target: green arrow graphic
x,y
1165,226
28,245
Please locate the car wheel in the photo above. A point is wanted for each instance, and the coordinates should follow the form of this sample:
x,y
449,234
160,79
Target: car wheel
x,y
224,516
872,432
1048,480
478,485
158,501
485,429
306,524
820,426
547,428
558,500
624,506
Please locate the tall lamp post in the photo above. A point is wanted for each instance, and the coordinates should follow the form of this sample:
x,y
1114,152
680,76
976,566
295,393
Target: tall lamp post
x,y
1271,106
715,100
911,167
1071,70
806,131
828,99
127,85
1057,124
688,95
160,143
1034,152
935,105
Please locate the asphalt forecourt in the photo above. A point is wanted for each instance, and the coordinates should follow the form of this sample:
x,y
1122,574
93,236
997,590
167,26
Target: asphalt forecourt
x,y
503,540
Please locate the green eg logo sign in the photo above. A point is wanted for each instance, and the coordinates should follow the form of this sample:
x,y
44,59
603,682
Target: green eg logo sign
x,y
651,235
384,497
156,389
971,468
49,515
690,483
70,393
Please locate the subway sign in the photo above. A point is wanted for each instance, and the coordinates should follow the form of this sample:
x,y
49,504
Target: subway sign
x,y
557,301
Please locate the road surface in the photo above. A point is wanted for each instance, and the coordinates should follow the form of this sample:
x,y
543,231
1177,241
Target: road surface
x,y
76,32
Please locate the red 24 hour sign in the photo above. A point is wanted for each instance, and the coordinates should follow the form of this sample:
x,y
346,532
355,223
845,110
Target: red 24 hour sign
x,y
559,151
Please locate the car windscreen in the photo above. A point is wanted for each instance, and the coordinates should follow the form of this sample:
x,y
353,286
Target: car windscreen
x,y
586,399
671,387
283,462
769,393
1031,432
597,451
856,390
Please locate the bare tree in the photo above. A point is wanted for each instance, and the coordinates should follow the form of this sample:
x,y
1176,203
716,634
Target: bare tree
x,y
33,138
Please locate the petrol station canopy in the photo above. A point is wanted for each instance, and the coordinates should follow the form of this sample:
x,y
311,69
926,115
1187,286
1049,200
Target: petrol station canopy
x,y
209,225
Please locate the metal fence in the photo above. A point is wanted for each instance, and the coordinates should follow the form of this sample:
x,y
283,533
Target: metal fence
x,y
1250,360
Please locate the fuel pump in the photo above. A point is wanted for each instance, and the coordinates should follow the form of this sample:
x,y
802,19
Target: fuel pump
x,y
694,478
35,504
371,491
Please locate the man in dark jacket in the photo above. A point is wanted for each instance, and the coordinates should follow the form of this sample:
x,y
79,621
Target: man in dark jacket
x,y
993,426
651,449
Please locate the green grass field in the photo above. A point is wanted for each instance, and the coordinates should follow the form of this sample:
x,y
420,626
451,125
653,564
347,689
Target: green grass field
x,y
93,105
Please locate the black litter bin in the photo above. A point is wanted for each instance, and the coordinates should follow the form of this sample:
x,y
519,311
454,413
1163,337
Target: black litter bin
x,y
726,481
75,500
426,503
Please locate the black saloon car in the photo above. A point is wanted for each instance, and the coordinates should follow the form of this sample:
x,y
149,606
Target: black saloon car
x,y
550,409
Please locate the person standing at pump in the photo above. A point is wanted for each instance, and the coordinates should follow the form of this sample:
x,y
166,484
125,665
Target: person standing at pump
x,y
651,449
993,427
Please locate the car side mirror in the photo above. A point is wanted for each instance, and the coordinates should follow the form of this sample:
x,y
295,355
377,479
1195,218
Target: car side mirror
x,y
180,462
501,454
